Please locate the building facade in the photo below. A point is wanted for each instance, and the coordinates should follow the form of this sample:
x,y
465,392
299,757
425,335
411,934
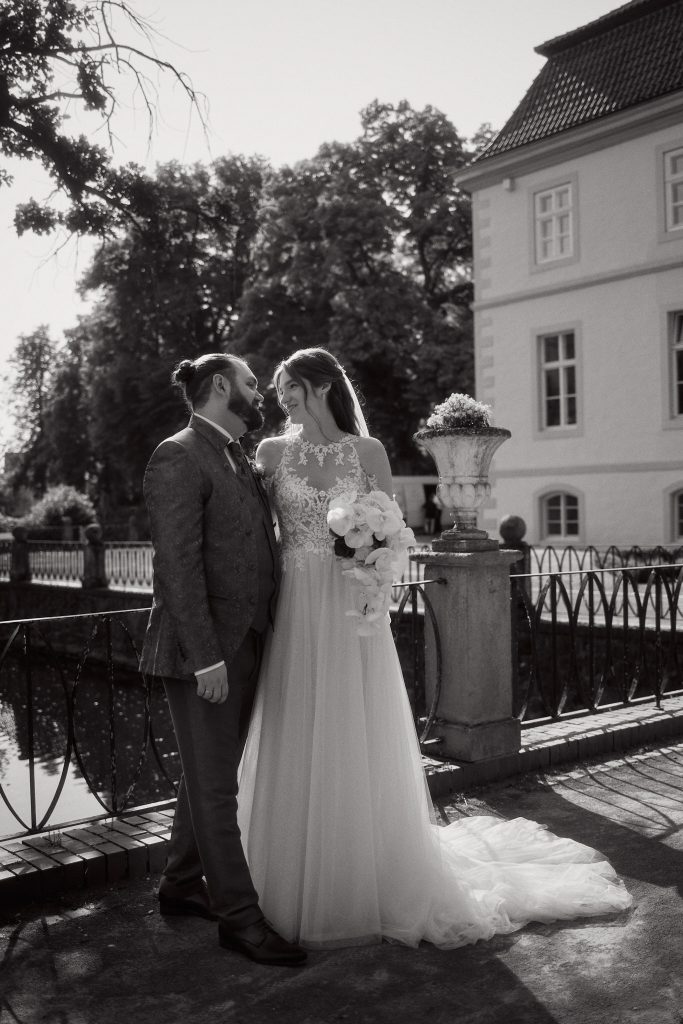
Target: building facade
x,y
578,240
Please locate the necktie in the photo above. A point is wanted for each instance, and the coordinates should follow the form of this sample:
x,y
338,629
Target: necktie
x,y
238,457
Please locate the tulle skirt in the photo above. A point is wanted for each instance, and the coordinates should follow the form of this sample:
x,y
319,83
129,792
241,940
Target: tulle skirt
x,y
335,814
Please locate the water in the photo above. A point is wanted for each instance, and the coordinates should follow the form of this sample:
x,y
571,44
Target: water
x,y
102,722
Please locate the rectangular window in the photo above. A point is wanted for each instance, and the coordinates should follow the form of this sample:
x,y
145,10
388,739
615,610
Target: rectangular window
x,y
558,380
561,515
554,224
673,189
678,515
676,336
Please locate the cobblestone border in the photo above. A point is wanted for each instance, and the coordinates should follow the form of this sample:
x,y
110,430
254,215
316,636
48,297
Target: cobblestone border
x,y
77,857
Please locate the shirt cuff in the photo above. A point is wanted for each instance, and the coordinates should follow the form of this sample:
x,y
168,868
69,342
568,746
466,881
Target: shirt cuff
x,y
209,668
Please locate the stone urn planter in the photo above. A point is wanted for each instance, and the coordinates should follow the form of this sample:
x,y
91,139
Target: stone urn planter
x,y
461,442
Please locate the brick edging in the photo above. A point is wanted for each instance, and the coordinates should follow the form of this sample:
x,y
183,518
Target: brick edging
x,y
562,743
37,866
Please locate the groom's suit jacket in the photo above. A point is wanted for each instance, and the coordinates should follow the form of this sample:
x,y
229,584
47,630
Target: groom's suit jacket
x,y
215,555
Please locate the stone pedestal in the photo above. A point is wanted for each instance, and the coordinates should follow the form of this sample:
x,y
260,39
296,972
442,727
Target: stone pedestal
x,y
474,713
20,566
94,573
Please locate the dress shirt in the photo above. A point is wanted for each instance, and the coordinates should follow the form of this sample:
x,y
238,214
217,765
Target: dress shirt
x,y
220,430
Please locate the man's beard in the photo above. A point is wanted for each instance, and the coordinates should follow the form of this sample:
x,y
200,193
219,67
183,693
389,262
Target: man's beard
x,y
248,412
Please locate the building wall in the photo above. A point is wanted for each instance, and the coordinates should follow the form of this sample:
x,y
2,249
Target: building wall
x,y
626,453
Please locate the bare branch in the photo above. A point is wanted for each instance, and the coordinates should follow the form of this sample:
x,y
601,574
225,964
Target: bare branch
x,y
84,67
35,100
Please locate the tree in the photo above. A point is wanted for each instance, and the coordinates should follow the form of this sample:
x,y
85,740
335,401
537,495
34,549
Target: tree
x,y
32,363
366,249
55,54
164,295
67,414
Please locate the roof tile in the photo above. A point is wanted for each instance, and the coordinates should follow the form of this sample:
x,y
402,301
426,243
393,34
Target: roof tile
x,y
628,57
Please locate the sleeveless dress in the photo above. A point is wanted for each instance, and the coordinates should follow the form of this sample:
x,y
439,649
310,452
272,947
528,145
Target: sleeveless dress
x,y
335,814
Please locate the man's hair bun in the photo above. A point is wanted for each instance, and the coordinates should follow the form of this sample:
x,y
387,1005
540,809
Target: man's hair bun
x,y
185,371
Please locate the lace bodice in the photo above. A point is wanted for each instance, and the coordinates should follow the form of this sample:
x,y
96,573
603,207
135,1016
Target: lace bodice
x,y
302,507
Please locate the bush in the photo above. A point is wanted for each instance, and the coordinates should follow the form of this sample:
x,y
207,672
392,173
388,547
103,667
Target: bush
x,y
56,503
7,523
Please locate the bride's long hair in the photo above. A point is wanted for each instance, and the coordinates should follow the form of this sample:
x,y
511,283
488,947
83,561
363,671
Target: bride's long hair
x,y
310,367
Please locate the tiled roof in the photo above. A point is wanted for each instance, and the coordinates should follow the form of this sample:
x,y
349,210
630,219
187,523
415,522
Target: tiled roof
x,y
630,56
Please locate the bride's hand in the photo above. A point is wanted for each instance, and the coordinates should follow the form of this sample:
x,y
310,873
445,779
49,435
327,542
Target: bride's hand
x,y
213,685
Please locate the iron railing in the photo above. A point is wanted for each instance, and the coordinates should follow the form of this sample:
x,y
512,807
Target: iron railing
x,y
424,705
67,685
544,561
589,640
76,713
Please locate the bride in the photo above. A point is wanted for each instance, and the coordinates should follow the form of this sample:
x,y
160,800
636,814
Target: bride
x,y
334,809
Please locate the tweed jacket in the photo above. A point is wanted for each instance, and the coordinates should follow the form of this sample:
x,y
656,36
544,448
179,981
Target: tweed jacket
x,y
204,534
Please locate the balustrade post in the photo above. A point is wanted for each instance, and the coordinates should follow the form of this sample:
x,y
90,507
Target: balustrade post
x,y
512,530
20,566
94,574
473,617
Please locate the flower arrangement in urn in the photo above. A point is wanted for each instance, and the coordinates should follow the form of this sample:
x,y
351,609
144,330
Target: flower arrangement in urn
x,y
459,437
459,411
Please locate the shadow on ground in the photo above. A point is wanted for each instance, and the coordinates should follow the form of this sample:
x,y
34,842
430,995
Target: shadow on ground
x,y
107,957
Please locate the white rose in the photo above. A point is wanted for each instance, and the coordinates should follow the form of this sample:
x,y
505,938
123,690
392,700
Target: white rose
x,y
340,519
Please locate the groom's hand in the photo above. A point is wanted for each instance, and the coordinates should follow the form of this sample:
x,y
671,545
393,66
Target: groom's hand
x,y
213,685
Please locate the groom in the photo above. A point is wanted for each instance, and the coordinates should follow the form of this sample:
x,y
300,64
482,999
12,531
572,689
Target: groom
x,y
215,585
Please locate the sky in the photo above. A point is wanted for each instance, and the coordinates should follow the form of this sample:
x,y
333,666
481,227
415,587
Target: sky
x,y
281,77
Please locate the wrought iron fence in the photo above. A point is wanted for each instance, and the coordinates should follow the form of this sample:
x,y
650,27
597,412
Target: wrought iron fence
x,y
74,707
543,561
588,640
408,628
83,735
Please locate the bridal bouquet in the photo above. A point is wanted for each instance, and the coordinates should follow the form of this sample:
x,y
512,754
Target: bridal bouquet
x,y
372,540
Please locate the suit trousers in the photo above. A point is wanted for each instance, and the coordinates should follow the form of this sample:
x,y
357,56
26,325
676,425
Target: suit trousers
x,y
205,839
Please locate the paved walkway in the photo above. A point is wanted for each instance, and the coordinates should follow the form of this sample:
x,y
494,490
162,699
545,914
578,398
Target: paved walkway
x,y
104,955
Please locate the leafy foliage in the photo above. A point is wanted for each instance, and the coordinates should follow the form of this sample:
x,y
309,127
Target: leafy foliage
x,y
168,294
68,414
57,502
55,54
366,250
32,366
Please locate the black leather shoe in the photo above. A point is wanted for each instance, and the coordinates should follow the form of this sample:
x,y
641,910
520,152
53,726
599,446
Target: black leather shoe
x,y
194,905
262,944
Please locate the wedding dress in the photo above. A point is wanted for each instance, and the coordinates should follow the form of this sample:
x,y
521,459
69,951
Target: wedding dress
x,y
334,810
